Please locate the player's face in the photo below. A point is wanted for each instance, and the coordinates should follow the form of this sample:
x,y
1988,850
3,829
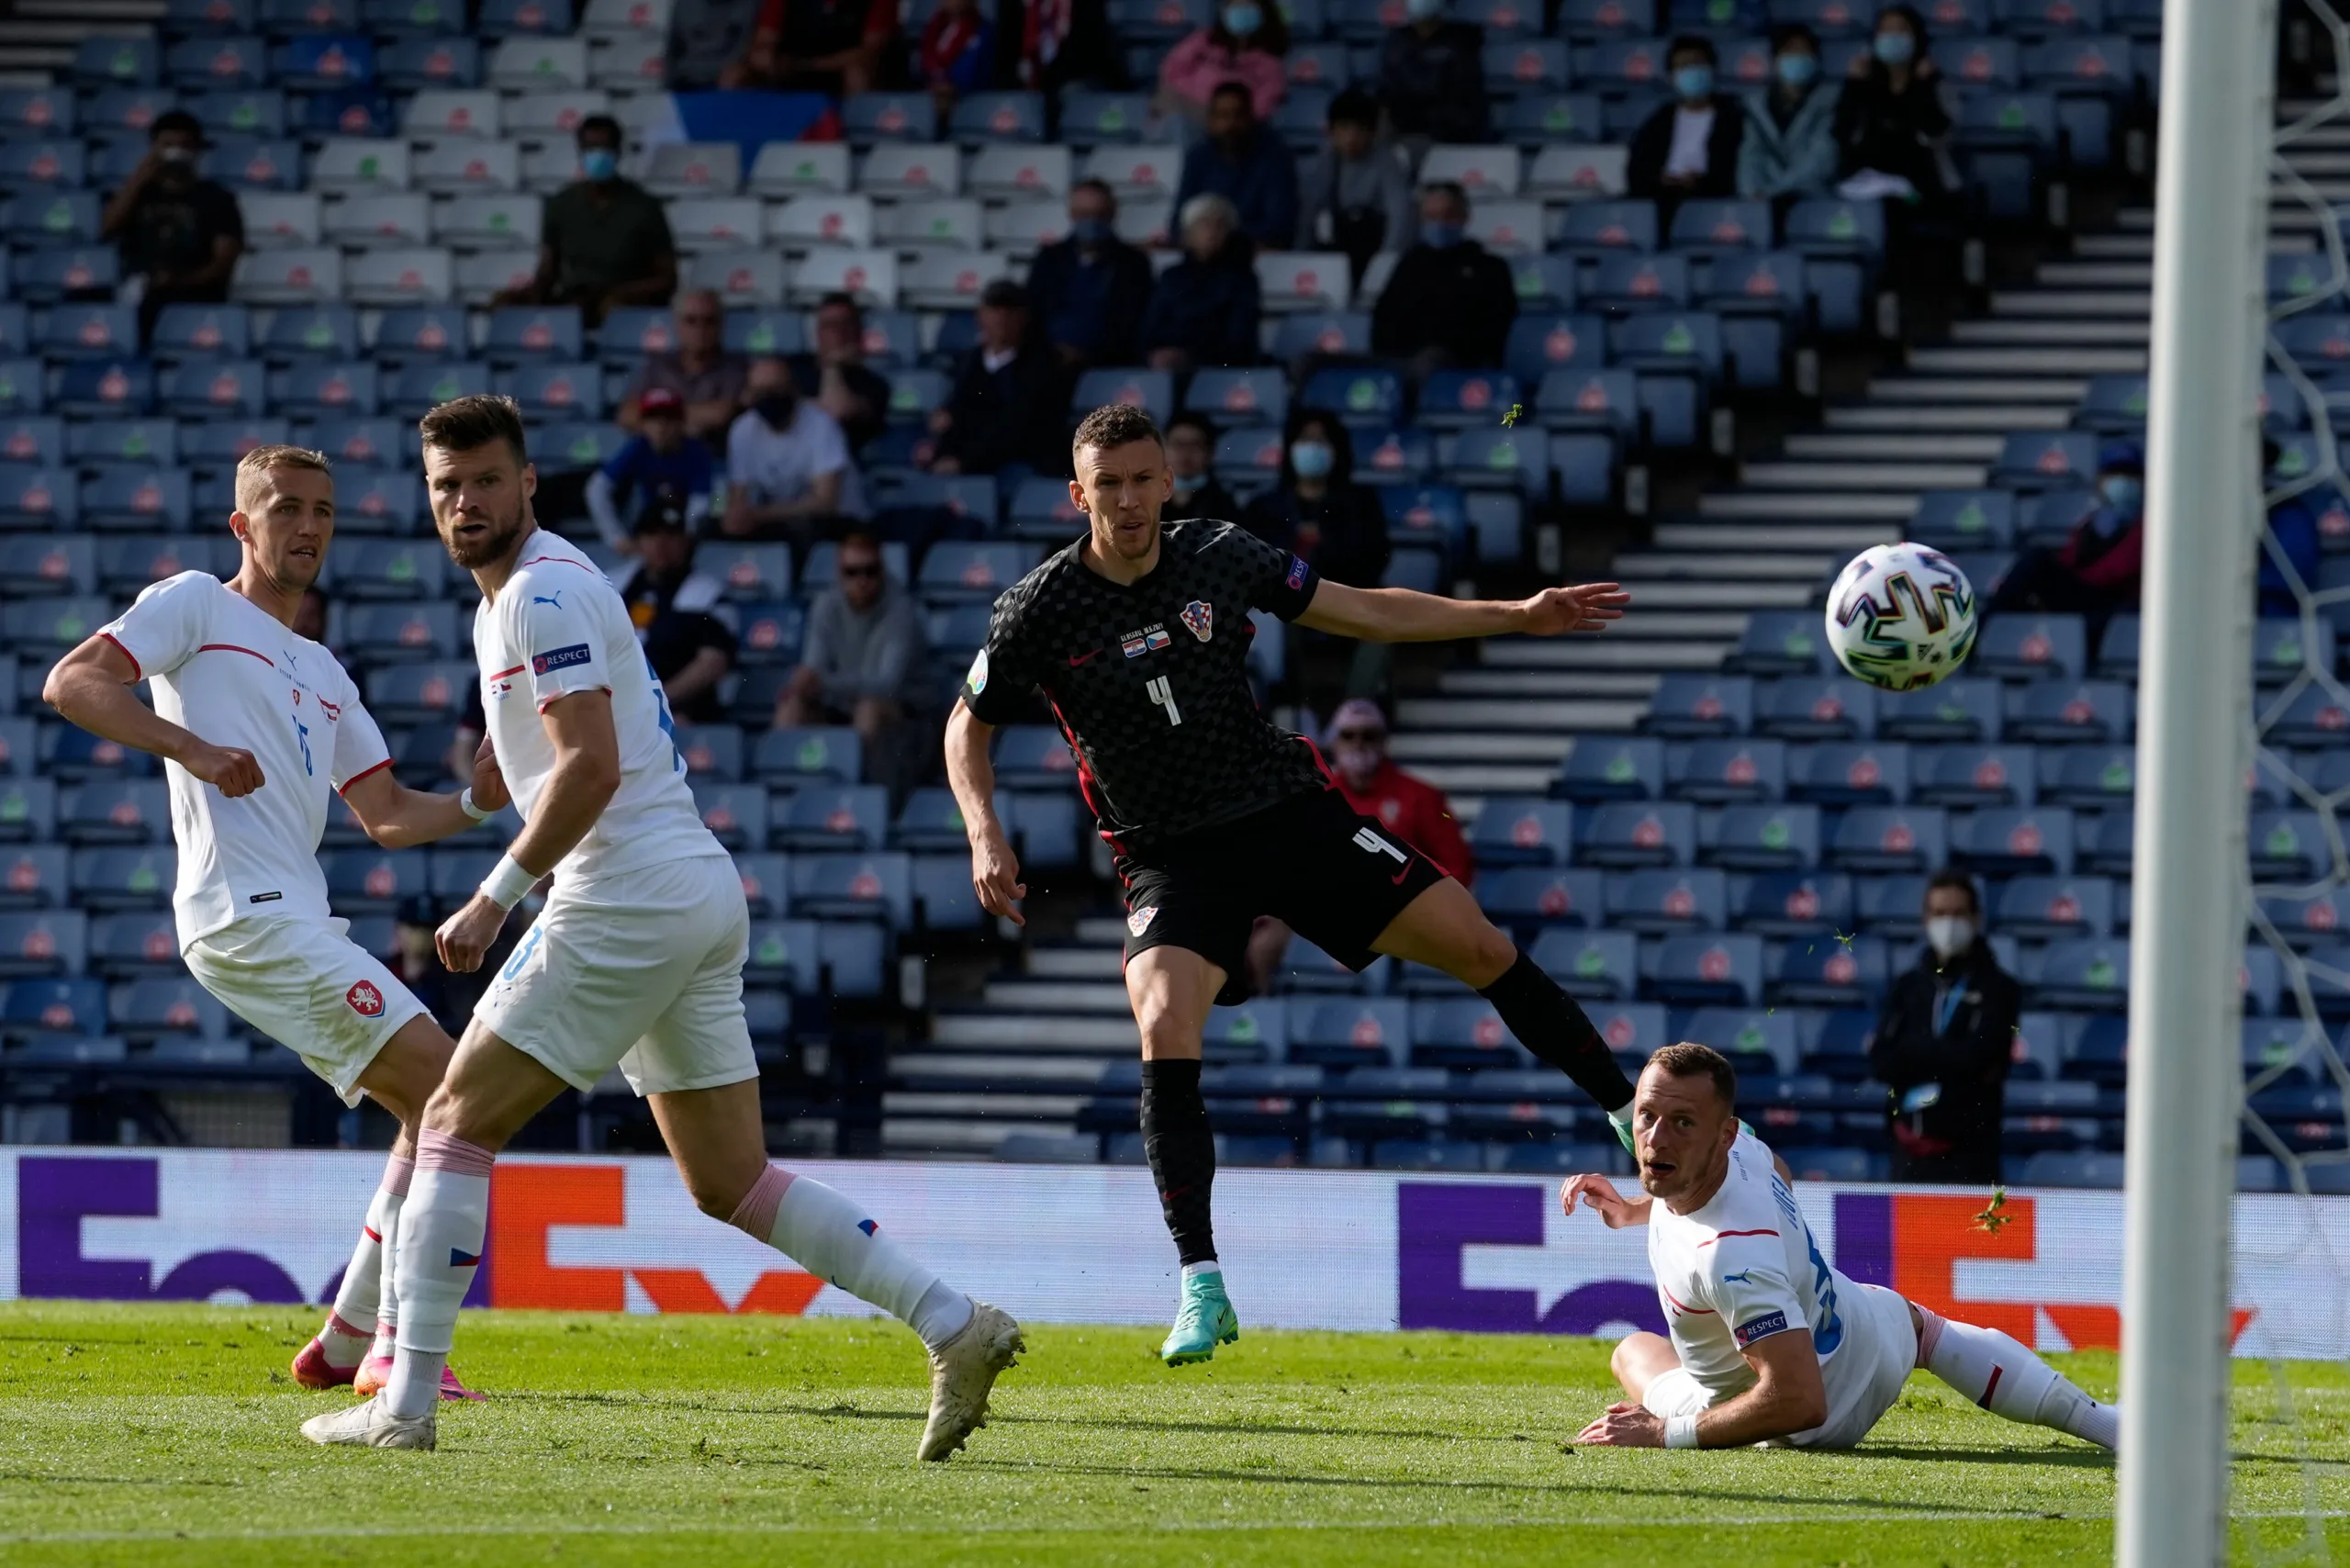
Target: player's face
x,y
1680,1132
1120,489
289,524
481,501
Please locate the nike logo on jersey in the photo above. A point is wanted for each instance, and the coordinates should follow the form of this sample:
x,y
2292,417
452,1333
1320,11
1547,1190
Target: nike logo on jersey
x,y
1077,659
1397,880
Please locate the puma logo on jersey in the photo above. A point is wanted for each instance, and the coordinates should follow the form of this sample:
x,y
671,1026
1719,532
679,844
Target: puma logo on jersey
x,y
555,598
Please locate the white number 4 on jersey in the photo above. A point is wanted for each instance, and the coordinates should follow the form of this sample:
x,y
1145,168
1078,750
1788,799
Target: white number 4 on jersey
x,y
1368,841
1160,693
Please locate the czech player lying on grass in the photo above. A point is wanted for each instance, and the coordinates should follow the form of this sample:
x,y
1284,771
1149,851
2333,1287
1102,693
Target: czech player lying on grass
x,y
1137,637
1769,1344
258,729
635,961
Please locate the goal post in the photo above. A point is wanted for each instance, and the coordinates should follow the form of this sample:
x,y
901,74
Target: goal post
x,y
2188,908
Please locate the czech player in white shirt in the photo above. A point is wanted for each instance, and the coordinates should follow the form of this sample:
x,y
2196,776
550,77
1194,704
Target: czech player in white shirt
x,y
1769,1344
258,729
636,960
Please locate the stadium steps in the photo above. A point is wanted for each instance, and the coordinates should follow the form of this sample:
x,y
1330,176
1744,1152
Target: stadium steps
x,y
1985,419
38,37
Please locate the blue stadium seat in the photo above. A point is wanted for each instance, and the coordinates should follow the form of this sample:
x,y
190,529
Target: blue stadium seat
x,y
930,822
1976,775
787,953
57,942
372,881
832,817
2091,777
88,332
424,629
2031,647
2004,841
1247,394
1522,831
1527,897
217,64
1612,767
1665,900
712,751
1153,391
1682,342
1816,708
1965,519
1690,705
43,564
1834,970
1889,838
1516,458
35,1008
1781,641
832,754
1719,772
158,1008
1849,773
1622,282
1350,1033
2079,974
1328,332
1792,903
327,388
2092,713
998,116
123,811
362,442
1834,226
1712,969
70,755
196,389
1959,709
1592,965
1763,837
944,899
1713,226
968,570
38,498
420,60
854,887
27,810
419,693
748,572
766,884
1462,1033
1628,833
1763,283
2037,908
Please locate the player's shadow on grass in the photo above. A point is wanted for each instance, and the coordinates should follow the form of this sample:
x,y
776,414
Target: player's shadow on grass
x,y
2072,1457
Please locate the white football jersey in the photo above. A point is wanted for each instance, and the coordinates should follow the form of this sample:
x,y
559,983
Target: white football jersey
x,y
559,626
1744,1268
231,674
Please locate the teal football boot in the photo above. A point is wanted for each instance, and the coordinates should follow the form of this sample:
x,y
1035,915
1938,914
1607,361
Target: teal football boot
x,y
1204,1321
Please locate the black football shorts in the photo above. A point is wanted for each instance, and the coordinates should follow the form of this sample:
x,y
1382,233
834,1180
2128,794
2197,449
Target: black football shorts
x,y
1335,877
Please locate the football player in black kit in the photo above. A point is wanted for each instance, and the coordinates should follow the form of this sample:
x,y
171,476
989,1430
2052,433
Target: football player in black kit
x,y
1138,635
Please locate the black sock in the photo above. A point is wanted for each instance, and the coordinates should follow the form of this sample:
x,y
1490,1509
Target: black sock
x,y
1181,1150
1549,1024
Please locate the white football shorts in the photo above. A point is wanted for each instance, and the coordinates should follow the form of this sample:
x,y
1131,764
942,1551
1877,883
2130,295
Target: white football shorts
x,y
642,970
308,987
1865,1377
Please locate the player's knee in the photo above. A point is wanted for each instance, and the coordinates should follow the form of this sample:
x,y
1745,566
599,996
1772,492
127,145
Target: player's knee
x,y
1487,956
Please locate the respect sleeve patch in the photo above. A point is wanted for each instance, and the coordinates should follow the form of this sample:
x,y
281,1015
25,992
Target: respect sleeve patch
x,y
560,658
1296,574
1762,1328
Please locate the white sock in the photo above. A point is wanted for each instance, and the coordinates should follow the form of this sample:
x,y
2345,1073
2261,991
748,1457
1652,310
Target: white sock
x,y
2003,1377
388,1303
441,1242
1208,1266
365,1282
820,1229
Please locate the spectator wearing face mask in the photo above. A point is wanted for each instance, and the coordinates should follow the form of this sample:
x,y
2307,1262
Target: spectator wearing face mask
x,y
1432,76
1449,301
1191,450
1244,44
1094,286
1891,119
1688,147
1355,196
1316,511
1413,811
788,465
1943,1042
179,232
1788,146
603,241
2093,573
660,460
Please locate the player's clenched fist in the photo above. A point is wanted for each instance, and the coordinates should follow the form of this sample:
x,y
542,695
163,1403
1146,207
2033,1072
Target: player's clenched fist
x,y
465,935
229,770
995,876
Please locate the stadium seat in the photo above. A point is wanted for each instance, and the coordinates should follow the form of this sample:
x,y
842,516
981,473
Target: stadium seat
x,y
1661,902
1761,837
1793,904
1889,838
1712,968
1607,768
1512,831
1849,773
1593,965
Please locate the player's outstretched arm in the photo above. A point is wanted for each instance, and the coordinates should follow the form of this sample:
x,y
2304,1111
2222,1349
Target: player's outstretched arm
x,y
91,687
398,817
1404,615
585,773
1598,1193
995,870
1788,1397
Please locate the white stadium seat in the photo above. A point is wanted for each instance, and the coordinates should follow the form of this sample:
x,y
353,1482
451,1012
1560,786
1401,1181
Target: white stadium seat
x,y
485,274
289,277
397,217
470,168
534,62
1302,280
635,63
1148,222
361,164
1577,173
537,116
400,275
449,111
742,278
957,223
1508,227
547,169
1480,170
1022,227
950,280
1136,174
908,171
807,220
801,168
716,223
625,18
871,275
1005,171
694,169
279,220
502,219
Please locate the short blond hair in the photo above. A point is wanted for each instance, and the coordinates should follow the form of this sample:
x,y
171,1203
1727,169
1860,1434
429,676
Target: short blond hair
x,y
252,469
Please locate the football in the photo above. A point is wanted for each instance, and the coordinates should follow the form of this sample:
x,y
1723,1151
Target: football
x,y
1901,616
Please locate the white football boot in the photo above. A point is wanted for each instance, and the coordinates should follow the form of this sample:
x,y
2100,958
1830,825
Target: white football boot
x,y
371,1425
962,1370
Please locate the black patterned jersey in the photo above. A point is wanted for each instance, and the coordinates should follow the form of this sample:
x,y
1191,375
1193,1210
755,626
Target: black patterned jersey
x,y
1150,680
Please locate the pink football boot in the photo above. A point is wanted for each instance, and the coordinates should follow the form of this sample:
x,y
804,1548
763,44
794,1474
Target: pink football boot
x,y
376,1370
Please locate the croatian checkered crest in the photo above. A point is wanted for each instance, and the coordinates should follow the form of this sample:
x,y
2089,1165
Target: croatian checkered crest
x,y
1901,616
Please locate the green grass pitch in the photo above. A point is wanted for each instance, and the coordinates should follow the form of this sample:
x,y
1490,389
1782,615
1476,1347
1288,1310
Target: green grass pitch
x,y
137,1434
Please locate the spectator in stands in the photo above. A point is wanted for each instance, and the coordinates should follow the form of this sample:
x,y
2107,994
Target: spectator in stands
x,y
603,241
675,609
1316,510
705,38
1450,301
1355,196
1892,119
2293,531
1094,285
1005,411
836,377
1944,1042
834,47
1789,148
1243,44
2095,572
1688,147
179,233
1205,308
1190,453
660,465
311,616
1414,810
1245,163
700,370
1432,77
954,56
863,657
788,466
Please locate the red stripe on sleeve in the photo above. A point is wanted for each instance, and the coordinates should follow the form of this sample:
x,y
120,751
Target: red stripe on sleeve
x,y
1724,1235
136,673
357,776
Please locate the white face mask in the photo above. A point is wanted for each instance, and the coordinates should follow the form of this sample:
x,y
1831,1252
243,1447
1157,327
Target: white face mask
x,y
1949,934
